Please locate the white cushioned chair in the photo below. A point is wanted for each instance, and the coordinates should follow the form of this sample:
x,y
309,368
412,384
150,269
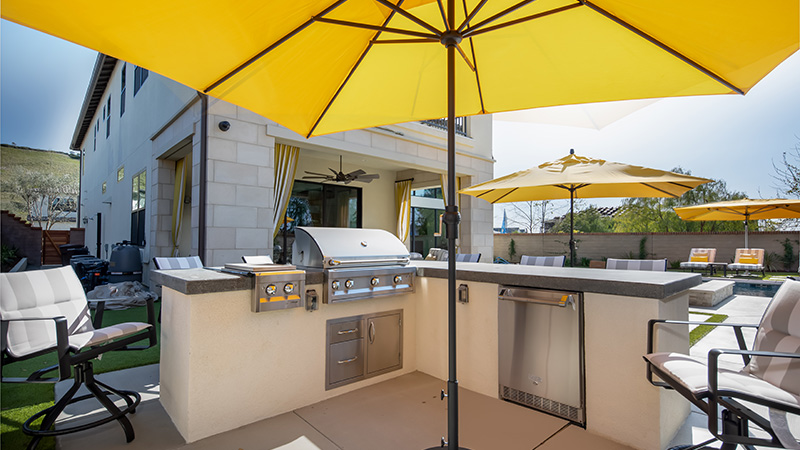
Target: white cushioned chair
x,y
177,262
699,259
468,257
46,311
551,261
748,259
658,265
770,376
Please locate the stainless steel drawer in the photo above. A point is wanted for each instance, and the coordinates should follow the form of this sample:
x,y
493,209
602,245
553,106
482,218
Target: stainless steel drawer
x,y
344,331
345,361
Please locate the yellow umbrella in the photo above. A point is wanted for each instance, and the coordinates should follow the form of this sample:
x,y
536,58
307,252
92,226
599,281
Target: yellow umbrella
x,y
747,209
591,178
324,66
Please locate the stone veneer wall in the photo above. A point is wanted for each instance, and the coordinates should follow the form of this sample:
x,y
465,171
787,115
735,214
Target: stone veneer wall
x,y
673,246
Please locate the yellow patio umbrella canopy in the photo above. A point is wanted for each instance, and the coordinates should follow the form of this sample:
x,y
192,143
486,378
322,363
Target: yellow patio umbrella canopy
x,y
743,209
320,67
573,176
587,178
324,66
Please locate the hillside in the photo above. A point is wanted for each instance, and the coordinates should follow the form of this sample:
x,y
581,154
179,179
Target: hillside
x,y
14,160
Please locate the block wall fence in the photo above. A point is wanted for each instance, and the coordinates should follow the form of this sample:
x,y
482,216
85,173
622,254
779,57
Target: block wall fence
x,y
673,246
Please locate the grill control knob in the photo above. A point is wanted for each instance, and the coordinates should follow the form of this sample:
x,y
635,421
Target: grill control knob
x,y
348,284
374,281
271,289
336,285
397,279
288,288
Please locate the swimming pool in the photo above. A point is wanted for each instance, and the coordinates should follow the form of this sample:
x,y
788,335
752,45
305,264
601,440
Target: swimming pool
x,y
756,288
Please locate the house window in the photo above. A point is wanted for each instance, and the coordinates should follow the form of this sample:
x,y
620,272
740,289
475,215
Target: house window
x,y
324,205
138,217
108,117
94,144
122,90
139,76
120,174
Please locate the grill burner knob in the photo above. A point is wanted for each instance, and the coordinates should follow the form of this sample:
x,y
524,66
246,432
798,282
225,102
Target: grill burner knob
x,y
271,289
374,281
397,279
288,288
348,284
335,285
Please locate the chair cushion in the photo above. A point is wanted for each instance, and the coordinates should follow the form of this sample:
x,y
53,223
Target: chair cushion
x,y
106,334
748,260
692,373
694,265
738,266
41,294
780,332
699,258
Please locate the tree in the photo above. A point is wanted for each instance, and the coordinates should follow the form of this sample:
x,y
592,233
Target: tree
x,y
641,215
588,220
787,172
530,215
47,197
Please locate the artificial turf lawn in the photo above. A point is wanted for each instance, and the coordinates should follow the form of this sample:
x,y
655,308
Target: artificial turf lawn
x,y
701,330
19,401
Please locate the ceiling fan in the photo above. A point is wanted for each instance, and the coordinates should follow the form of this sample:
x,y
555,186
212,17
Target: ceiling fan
x,y
341,177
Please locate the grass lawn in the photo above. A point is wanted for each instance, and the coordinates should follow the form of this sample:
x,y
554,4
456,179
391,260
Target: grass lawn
x,y
20,401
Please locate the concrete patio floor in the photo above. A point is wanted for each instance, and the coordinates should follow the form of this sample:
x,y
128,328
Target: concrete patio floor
x,y
398,414
402,413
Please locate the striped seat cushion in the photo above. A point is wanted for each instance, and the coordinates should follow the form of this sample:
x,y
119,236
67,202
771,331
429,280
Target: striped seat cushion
x,y
106,334
637,264
692,373
694,265
737,266
41,294
180,262
553,261
780,332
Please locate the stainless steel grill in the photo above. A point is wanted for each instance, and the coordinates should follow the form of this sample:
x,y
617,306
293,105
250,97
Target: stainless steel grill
x,y
357,263
275,286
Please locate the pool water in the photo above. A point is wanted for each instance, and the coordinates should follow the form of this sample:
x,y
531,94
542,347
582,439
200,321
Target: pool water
x,y
754,288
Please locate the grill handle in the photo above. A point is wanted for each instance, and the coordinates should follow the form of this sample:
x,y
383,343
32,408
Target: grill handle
x,y
368,262
345,361
561,301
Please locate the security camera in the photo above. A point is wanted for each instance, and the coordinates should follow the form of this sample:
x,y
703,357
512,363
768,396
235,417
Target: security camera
x,y
224,125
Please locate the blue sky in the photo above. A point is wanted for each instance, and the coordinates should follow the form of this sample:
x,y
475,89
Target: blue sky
x,y
735,138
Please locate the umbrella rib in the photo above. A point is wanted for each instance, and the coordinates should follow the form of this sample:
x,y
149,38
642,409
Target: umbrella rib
x,y
273,46
349,75
472,50
661,190
497,200
664,47
441,11
378,28
411,17
471,15
474,31
497,16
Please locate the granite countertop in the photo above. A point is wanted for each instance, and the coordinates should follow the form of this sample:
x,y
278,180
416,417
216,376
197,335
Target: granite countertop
x,y
629,283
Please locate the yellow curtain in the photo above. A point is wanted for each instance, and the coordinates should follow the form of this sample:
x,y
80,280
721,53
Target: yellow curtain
x,y
285,169
444,191
179,193
402,201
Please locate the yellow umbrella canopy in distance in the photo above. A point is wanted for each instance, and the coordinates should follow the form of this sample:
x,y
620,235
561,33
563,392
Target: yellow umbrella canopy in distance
x,y
587,177
753,209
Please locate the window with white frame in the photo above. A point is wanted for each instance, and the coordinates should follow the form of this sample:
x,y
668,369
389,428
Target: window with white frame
x,y
138,216
122,90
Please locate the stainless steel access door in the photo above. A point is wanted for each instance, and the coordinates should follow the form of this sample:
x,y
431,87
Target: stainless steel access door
x,y
541,350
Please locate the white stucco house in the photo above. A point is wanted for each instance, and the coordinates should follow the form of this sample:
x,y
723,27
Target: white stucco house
x,y
137,130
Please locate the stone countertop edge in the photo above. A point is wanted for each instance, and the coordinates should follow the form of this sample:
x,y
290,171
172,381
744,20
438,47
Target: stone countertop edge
x,y
628,283
209,280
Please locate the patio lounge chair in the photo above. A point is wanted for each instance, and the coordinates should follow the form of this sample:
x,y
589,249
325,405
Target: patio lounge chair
x,y
468,257
700,258
178,262
748,259
552,261
769,379
46,311
658,265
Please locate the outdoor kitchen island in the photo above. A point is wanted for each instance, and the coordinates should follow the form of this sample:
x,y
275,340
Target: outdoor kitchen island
x,y
223,366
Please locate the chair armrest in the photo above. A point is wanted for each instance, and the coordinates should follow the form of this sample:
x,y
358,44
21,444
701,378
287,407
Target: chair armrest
x,y
62,344
100,307
737,327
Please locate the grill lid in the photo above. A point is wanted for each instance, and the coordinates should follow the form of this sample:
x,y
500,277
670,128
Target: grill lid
x,y
326,248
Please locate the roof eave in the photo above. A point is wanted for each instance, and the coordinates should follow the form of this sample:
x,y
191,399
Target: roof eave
x,y
103,66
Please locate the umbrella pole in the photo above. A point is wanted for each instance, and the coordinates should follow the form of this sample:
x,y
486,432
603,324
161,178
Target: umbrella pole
x,y
746,227
451,219
571,227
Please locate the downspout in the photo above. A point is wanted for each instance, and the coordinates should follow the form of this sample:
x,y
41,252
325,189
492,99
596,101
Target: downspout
x,y
201,228
80,191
